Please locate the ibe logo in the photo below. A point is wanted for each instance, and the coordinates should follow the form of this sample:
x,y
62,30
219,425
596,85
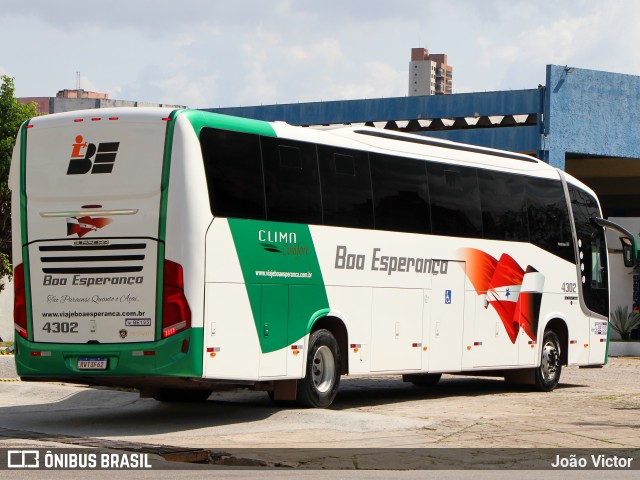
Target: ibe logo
x,y
82,154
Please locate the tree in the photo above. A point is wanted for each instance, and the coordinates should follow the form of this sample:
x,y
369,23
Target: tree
x,y
12,115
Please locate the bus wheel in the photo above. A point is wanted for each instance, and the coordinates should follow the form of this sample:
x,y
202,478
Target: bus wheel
x,y
320,385
175,395
422,379
548,373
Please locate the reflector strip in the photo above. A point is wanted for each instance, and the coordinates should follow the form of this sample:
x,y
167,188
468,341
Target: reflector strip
x,y
477,344
415,345
114,118
96,119
79,120
213,349
573,342
143,353
40,354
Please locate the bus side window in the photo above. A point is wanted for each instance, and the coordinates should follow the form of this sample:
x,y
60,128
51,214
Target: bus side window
x,y
346,187
233,168
292,182
455,201
549,225
400,194
503,211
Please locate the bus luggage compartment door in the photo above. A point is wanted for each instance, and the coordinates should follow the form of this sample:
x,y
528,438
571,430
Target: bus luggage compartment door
x,y
447,319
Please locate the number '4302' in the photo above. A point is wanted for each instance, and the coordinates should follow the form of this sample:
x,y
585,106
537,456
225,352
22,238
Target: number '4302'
x,y
61,327
569,287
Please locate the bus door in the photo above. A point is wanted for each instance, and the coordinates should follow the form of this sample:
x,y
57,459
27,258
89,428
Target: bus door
x,y
593,281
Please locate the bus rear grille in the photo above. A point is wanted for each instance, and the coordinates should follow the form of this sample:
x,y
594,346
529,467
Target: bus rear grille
x,y
98,259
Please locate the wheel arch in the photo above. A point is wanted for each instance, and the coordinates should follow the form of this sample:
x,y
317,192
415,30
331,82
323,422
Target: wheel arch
x,y
559,327
338,329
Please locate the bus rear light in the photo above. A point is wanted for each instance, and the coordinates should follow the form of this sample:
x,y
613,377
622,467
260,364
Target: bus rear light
x,y
77,120
173,329
96,119
114,118
20,302
176,314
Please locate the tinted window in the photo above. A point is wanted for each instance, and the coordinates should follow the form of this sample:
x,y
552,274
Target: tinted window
x,y
593,251
549,226
346,187
455,201
503,208
234,173
400,195
291,181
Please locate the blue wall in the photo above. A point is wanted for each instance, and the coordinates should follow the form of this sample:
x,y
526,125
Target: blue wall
x,y
591,113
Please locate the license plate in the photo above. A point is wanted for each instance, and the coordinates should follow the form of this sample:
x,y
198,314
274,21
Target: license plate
x,y
92,364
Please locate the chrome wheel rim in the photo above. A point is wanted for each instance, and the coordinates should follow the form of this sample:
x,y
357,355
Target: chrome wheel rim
x,y
323,369
550,361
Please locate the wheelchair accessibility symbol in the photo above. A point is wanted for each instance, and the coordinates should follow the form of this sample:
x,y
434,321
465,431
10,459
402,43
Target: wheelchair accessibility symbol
x,y
447,297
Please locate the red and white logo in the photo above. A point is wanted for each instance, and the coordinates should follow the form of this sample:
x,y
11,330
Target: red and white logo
x,y
82,225
514,293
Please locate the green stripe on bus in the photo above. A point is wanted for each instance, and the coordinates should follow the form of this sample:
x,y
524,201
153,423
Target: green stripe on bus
x,y
24,233
199,119
283,279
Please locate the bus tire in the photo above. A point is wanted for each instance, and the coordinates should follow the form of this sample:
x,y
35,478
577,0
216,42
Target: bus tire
x,y
175,395
422,379
547,375
320,385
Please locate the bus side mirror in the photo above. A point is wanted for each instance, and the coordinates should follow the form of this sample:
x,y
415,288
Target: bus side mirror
x,y
629,252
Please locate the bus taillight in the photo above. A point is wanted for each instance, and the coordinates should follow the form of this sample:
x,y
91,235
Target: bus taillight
x,y
20,303
176,314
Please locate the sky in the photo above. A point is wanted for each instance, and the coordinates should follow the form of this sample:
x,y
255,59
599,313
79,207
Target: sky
x,y
211,53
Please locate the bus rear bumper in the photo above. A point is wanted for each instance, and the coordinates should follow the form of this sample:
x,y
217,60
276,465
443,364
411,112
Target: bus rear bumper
x,y
177,356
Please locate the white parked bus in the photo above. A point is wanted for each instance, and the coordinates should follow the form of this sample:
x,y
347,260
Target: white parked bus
x,y
182,251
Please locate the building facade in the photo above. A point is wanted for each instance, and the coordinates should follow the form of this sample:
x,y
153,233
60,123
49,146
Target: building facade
x,y
429,74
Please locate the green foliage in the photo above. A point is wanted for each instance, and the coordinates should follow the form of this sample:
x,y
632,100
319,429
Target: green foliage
x,y
12,115
623,321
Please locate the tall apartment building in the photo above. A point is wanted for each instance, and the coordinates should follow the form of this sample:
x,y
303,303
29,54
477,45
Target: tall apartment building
x,y
429,74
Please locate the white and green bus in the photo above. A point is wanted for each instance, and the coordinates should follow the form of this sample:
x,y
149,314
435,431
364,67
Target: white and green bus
x,y
182,251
